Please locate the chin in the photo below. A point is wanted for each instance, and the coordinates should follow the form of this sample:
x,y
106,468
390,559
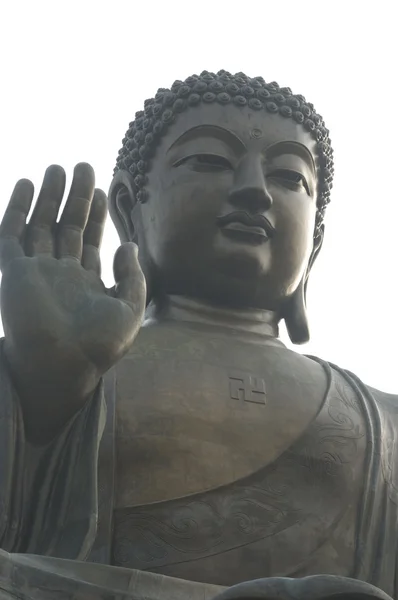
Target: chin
x,y
237,288
242,248
249,263
247,281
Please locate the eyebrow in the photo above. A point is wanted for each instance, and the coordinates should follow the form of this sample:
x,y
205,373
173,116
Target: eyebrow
x,y
289,147
214,131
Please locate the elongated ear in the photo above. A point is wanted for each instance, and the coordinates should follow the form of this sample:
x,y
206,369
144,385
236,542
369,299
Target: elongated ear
x,y
122,203
121,198
295,313
315,252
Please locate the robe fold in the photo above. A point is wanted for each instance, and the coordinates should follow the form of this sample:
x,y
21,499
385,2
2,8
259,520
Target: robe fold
x,y
56,513
65,511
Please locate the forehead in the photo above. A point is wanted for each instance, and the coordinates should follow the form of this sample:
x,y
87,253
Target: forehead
x,y
252,128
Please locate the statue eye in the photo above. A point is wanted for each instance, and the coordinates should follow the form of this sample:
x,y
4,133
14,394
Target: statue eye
x,y
205,162
291,179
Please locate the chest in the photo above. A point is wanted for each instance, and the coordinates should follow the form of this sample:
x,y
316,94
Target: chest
x,y
196,410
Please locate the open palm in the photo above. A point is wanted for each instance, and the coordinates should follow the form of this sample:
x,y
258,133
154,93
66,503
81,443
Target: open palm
x,y
56,311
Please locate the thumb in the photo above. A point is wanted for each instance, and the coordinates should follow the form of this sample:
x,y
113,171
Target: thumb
x,y
129,279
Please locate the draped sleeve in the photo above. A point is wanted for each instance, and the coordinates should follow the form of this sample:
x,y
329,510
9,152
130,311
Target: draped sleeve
x,y
56,511
376,544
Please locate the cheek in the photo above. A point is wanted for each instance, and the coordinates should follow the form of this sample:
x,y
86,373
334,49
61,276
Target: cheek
x,y
188,199
296,227
181,218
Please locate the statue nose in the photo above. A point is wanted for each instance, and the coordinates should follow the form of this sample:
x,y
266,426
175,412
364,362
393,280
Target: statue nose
x,y
250,188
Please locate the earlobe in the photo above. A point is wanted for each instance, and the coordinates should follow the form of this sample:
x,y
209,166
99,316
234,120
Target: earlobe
x,y
318,241
121,198
296,318
295,313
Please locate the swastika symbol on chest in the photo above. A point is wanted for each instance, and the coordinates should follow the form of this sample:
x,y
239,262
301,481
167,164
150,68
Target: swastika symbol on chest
x,y
246,387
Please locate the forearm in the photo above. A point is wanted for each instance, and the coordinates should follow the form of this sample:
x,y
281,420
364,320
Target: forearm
x,y
51,389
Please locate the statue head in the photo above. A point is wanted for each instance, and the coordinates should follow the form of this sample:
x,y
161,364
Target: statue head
x,y
223,182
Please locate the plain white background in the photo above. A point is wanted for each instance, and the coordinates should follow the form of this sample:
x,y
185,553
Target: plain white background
x,y
73,74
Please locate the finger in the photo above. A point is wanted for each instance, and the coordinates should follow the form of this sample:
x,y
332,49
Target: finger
x,y
130,282
93,233
96,220
91,260
14,219
40,231
75,214
13,224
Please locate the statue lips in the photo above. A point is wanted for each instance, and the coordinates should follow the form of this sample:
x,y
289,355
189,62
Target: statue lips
x,y
242,226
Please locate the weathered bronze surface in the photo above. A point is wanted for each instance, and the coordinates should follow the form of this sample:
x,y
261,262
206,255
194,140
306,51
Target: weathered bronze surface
x,y
181,450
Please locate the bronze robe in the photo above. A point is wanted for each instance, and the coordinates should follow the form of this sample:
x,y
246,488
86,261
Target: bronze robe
x,y
66,510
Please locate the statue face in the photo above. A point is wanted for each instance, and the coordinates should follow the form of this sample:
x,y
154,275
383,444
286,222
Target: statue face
x,y
231,206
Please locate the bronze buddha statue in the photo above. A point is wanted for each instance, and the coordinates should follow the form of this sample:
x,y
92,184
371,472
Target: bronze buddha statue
x,y
158,439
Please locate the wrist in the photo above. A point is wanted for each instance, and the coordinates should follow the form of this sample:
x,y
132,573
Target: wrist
x,y
50,390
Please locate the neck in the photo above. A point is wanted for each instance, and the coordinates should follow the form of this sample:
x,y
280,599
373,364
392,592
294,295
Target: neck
x,y
181,308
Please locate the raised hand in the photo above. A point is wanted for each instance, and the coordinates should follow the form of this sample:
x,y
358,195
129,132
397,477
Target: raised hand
x,y
63,328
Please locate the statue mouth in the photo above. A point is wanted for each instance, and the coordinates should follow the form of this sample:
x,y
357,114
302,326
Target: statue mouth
x,y
242,226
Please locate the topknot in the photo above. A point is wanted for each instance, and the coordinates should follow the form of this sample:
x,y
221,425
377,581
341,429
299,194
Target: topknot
x,y
139,143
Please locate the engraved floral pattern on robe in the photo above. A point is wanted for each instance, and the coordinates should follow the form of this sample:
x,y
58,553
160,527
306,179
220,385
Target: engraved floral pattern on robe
x,y
319,466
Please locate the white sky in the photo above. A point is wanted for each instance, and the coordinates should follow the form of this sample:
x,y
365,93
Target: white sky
x,y
72,75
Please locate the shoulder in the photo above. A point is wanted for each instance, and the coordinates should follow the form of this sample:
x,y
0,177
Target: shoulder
x,y
387,402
